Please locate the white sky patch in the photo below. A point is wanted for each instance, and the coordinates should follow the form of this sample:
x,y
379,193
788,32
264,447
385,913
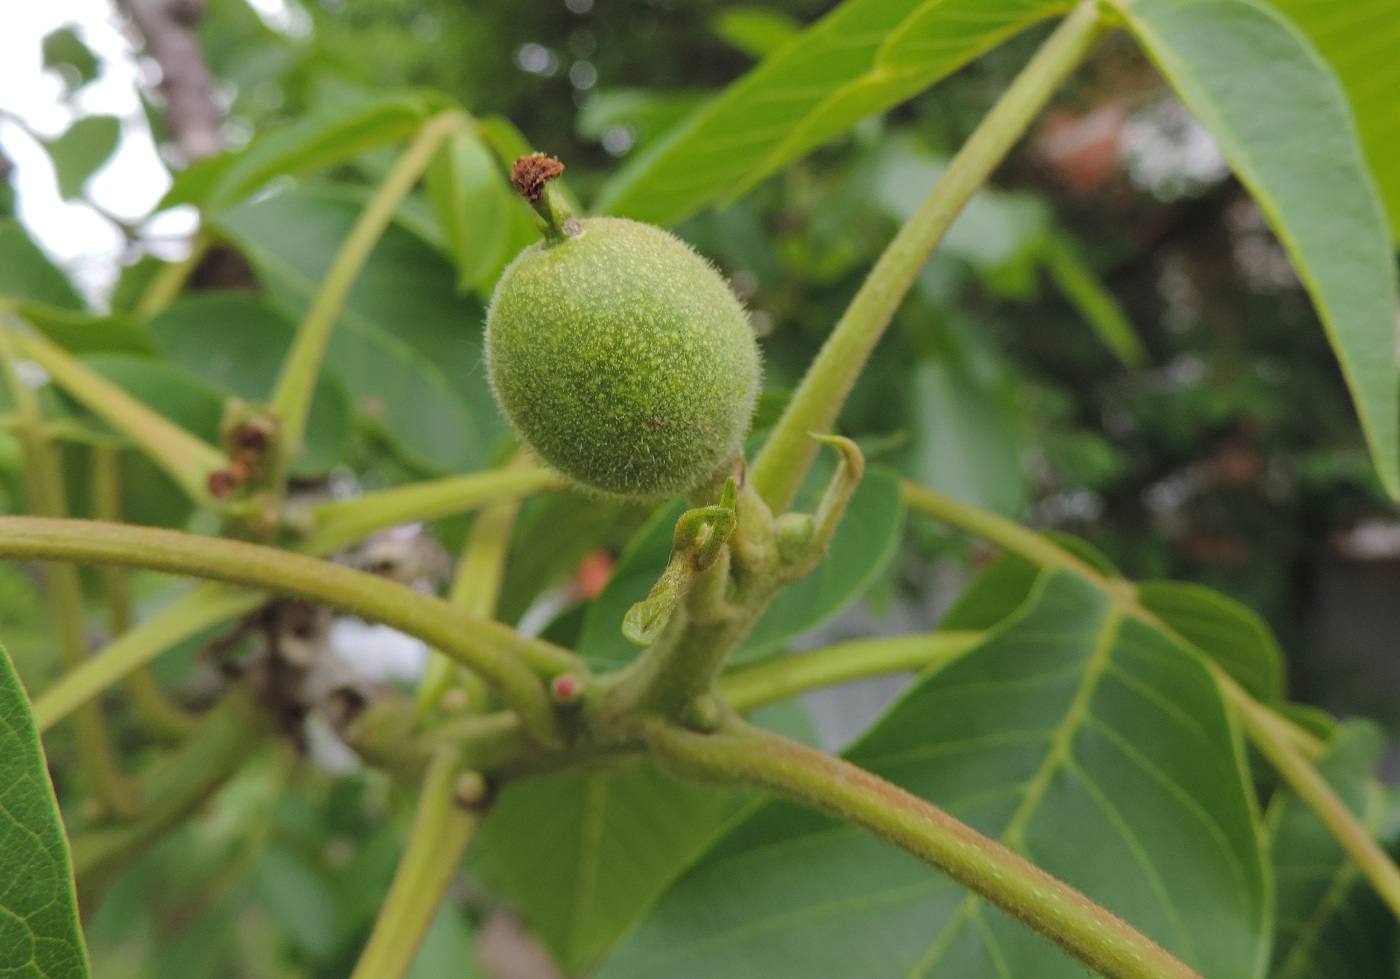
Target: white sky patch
x,y
75,234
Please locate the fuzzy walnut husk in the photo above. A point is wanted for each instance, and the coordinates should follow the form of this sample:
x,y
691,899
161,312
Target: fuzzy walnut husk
x,y
623,359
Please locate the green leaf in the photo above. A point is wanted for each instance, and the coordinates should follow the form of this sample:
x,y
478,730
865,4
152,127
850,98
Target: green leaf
x,y
1359,39
39,936
1087,741
65,52
82,333
449,948
174,393
237,345
863,58
863,545
82,150
470,199
320,140
1330,922
27,273
1282,120
966,443
756,31
1226,631
584,856
1078,284
407,346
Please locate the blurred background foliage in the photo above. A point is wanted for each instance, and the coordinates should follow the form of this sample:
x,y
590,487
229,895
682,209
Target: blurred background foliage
x,y
1110,343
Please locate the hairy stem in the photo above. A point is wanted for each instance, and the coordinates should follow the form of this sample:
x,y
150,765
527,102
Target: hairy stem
x,y
1268,733
291,400
788,676
778,471
161,717
746,755
185,458
442,830
509,662
343,522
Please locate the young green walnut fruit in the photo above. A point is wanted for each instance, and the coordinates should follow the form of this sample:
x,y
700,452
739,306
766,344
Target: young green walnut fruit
x,y
622,358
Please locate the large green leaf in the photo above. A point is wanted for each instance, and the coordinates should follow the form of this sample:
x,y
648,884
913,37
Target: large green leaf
x,y
27,273
407,346
1330,921
1282,120
1085,740
583,856
83,333
863,58
863,545
1223,629
237,344
39,936
1359,39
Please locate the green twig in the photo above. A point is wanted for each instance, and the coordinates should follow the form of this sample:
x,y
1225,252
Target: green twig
x,y
510,663
744,755
160,716
783,677
291,400
782,464
185,458
343,522
442,829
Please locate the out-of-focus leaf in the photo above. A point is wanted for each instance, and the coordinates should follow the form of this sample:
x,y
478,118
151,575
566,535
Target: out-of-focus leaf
x,y
1359,39
82,333
862,547
407,346
39,936
448,950
318,141
1330,921
237,345
861,59
65,52
756,31
82,150
1223,629
300,901
1087,741
967,445
584,856
1282,121
646,115
1077,282
27,273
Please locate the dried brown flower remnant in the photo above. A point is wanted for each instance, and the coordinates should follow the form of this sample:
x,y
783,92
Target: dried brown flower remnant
x,y
531,173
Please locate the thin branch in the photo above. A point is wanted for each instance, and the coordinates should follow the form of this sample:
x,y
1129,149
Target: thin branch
x,y
781,465
168,27
750,756
442,830
783,677
510,663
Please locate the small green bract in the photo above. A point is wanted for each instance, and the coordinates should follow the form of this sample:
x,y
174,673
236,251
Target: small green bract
x,y
623,359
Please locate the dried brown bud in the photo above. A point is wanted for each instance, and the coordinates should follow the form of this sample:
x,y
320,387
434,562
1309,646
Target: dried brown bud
x,y
531,173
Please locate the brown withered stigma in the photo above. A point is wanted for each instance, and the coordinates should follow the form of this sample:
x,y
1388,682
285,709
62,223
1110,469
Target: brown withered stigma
x,y
531,173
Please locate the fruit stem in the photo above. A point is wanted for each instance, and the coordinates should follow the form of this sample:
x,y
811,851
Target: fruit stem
x,y
532,176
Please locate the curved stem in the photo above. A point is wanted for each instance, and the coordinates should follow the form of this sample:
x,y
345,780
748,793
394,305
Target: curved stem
x,y
509,662
749,756
781,465
343,522
1268,733
442,830
788,676
291,400
185,458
